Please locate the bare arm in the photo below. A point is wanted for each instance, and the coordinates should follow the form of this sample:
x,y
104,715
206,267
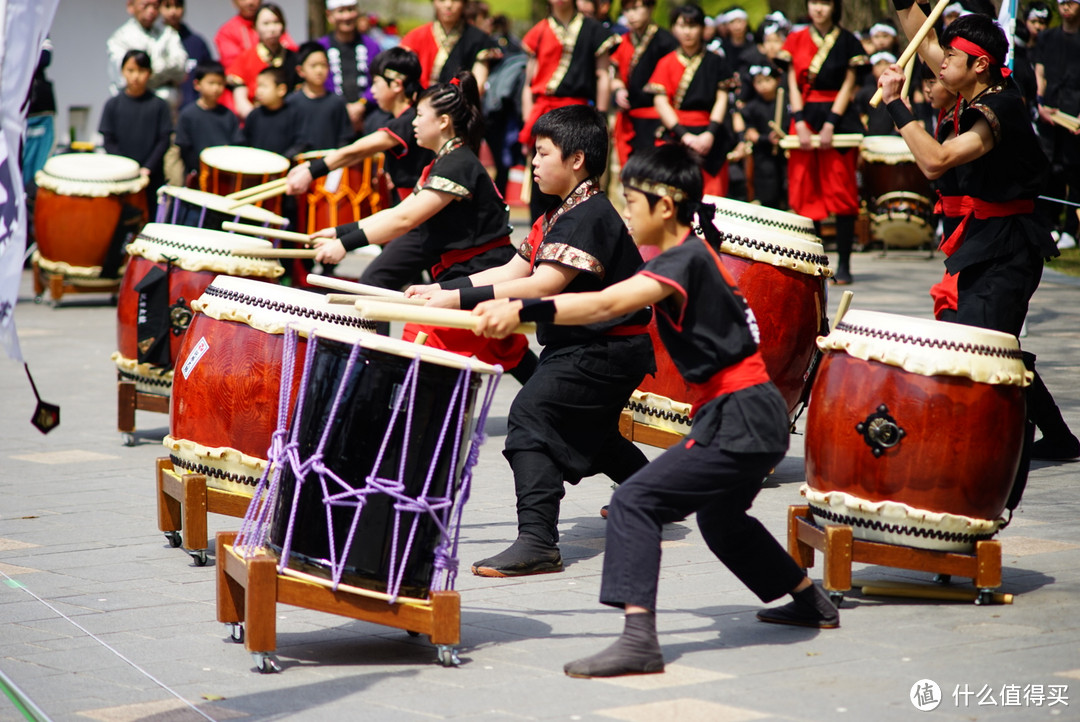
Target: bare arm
x,y
386,225
663,108
603,83
480,71
911,20
547,279
839,106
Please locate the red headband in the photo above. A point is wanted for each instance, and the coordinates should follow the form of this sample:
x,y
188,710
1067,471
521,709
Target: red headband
x,y
966,46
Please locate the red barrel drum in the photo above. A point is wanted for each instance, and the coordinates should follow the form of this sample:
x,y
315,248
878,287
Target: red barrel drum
x,y
186,260
914,430
224,407
897,192
190,207
225,169
343,196
79,201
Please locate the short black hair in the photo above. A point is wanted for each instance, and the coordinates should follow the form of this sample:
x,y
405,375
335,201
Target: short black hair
x,y
980,7
982,31
574,128
672,165
141,58
691,15
306,50
837,9
643,3
278,75
403,61
208,67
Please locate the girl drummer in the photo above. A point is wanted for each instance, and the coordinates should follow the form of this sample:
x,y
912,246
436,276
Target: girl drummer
x,y
740,425
821,61
463,220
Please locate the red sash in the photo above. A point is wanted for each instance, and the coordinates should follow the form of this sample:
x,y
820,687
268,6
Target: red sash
x,y
819,96
693,117
628,330
460,255
744,374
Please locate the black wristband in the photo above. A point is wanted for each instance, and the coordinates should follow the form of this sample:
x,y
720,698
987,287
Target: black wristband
x,y
900,113
537,310
355,239
318,168
716,129
679,130
474,295
902,4
797,116
345,229
455,283
834,118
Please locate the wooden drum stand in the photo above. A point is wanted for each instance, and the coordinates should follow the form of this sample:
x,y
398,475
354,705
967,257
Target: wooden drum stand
x,y
248,591
840,550
183,501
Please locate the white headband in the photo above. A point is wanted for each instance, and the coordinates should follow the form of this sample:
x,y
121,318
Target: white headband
x,y
955,9
878,57
882,28
736,14
335,4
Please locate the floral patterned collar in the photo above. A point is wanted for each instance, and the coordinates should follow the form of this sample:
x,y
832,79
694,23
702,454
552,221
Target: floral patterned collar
x,y
450,146
584,191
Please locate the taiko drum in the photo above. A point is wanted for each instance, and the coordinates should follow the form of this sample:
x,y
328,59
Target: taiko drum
x,y
224,407
226,169
190,207
345,195
914,430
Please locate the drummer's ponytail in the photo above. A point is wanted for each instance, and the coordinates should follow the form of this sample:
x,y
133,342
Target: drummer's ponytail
x,y
672,170
459,99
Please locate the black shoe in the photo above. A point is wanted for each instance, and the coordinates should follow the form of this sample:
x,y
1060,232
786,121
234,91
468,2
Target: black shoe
x,y
527,555
603,511
842,277
637,651
809,608
1056,449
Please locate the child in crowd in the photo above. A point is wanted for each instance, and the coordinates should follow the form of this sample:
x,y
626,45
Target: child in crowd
x,y
395,85
739,430
564,423
690,89
272,50
462,219
450,44
206,122
876,120
272,125
324,119
137,124
770,168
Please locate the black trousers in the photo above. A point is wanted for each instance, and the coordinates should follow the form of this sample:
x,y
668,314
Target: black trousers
x,y
720,486
995,294
564,425
401,263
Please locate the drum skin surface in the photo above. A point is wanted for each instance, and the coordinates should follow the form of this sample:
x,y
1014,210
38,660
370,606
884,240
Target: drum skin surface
x,y
351,452
230,397
959,452
78,229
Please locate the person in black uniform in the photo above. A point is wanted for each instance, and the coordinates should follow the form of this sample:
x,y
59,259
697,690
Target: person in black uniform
x,y
770,167
206,122
395,85
324,119
997,252
740,424
272,125
564,422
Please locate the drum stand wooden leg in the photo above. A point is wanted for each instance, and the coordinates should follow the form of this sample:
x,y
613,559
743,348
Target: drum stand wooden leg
x,y
645,434
128,400
248,591
183,502
840,550
58,285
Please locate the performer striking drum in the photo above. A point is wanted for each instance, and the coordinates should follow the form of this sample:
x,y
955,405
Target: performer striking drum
x,y
740,426
821,62
999,247
463,221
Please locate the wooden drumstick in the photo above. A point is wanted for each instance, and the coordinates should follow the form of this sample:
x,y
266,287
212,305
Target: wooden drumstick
x,y
263,252
913,46
421,338
779,130
255,190
360,289
351,298
375,310
278,233
845,303
259,197
909,72
839,140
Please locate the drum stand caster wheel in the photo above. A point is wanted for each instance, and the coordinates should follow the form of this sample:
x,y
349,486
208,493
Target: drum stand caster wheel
x,y
985,596
266,663
412,633
199,558
942,579
836,598
39,298
128,439
236,632
448,656
174,538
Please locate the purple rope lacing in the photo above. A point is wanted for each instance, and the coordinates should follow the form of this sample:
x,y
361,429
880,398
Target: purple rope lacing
x,y
445,510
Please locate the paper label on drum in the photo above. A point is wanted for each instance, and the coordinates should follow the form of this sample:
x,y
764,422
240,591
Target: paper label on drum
x,y
193,358
333,181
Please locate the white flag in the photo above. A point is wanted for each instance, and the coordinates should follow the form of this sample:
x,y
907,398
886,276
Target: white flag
x,y
25,24
1007,21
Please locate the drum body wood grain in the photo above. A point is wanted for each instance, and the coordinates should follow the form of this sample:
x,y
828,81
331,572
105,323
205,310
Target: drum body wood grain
x,y
344,196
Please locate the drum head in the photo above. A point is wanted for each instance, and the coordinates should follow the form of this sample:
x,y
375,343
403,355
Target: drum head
x,y
199,249
765,245
221,204
272,308
753,214
91,174
887,149
239,159
929,348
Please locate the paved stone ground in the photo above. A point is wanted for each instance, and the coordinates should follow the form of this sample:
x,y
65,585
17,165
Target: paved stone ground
x,y
101,620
